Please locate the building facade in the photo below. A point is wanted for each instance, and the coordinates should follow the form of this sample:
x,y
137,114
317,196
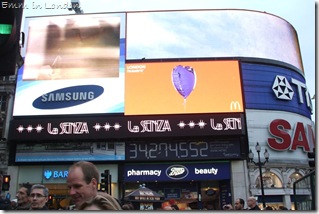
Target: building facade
x,y
176,108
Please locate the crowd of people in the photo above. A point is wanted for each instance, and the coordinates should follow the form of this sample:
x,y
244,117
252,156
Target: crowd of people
x,y
82,181
252,204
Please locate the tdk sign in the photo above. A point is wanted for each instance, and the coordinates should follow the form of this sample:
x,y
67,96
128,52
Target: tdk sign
x,y
67,97
283,90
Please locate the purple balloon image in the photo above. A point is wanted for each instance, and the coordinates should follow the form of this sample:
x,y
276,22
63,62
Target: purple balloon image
x,y
184,79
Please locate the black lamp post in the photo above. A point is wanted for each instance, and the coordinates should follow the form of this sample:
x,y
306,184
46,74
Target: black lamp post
x,y
259,164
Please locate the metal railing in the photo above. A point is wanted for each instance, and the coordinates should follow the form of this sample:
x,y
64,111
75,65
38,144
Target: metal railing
x,y
305,192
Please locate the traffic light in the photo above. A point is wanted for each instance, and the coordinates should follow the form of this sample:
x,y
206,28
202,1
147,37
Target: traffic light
x,y
104,180
50,199
10,24
6,182
311,156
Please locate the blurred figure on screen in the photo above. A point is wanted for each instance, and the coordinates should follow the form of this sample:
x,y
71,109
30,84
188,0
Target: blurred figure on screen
x,y
77,49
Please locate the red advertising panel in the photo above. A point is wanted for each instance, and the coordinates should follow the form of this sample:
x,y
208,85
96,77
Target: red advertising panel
x,y
183,87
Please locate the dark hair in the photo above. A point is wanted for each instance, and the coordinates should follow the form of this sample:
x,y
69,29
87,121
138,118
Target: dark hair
x,y
227,207
269,208
27,186
89,171
241,201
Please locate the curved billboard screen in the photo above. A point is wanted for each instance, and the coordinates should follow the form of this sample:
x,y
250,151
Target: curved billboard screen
x,y
211,33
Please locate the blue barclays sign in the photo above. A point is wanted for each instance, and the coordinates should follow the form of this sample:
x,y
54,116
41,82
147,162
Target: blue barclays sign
x,y
174,172
270,87
55,174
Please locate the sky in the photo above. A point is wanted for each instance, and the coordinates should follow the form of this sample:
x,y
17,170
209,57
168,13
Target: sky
x,y
299,13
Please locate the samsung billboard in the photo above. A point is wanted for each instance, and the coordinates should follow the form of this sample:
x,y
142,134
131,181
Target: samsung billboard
x,y
114,64
73,65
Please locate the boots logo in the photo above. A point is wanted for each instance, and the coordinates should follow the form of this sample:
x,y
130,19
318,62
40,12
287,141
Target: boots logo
x,y
282,88
177,172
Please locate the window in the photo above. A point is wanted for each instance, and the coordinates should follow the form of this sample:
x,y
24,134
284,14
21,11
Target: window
x,y
296,176
270,180
111,146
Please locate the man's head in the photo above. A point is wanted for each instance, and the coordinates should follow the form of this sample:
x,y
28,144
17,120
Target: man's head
x,y
82,181
251,202
23,195
38,196
239,204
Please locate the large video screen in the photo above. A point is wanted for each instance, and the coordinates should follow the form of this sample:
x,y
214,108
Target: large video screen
x,y
183,87
211,33
144,63
73,65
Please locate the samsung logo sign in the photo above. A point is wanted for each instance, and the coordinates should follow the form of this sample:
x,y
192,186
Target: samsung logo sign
x,y
67,97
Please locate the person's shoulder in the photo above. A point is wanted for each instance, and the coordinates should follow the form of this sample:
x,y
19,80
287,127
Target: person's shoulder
x,y
106,195
111,200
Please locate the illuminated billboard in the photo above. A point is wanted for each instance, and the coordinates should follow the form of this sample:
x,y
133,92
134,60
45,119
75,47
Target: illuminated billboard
x,y
211,33
183,87
73,65
118,127
270,87
137,63
57,151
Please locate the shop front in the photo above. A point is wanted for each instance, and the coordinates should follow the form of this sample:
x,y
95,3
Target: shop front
x,y
189,185
54,178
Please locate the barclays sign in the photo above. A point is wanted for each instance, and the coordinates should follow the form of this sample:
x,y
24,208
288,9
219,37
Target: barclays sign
x,y
55,174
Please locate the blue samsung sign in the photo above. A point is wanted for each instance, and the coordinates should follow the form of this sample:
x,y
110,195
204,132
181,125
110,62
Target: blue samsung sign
x,y
270,87
176,172
67,97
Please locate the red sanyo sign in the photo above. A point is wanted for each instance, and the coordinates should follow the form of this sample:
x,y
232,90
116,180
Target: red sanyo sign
x,y
301,136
